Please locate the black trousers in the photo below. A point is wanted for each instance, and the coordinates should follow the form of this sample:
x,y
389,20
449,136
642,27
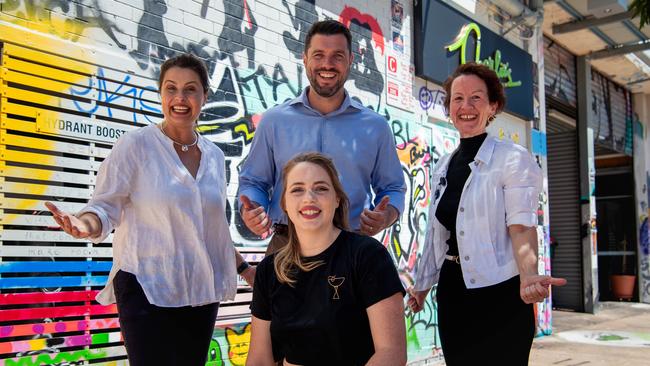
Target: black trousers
x,y
484,326
161,336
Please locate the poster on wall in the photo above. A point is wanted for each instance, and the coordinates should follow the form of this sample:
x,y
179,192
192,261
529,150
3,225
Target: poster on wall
x,y
399,71
397,20
399,81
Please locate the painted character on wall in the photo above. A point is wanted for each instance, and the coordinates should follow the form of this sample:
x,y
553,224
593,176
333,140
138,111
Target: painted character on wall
x,y
214,354
238,343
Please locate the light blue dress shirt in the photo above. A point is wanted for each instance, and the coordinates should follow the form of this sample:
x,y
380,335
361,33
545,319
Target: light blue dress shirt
x,y
359,141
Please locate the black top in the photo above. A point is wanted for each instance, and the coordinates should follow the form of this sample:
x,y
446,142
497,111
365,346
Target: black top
x,y
323,319
457,174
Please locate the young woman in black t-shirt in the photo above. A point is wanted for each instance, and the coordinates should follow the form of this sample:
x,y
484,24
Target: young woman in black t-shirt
x,y
330,297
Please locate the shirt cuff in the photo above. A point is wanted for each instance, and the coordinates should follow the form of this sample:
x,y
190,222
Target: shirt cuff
x,y
426,281
396,200
256,196
522,218
103,218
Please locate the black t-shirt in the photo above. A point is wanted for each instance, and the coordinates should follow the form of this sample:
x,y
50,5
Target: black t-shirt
x,y
322,320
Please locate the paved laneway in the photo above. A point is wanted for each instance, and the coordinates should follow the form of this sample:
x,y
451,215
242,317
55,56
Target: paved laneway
x,y
618,334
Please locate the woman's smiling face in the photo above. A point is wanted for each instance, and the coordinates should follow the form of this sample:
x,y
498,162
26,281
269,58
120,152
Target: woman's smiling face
x,y
182,96
310,198
470,107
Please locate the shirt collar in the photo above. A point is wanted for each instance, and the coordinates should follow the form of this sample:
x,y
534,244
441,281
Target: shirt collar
x,y
484,153
347,102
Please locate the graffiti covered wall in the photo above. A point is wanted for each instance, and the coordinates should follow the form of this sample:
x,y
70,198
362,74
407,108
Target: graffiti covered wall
x,y
642,194
77,75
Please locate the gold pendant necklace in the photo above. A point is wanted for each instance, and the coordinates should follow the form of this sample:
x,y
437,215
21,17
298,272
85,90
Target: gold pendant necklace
x,y
184,147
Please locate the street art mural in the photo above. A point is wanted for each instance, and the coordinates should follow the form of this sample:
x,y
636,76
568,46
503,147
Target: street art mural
x,y
76,76
560,73
642,183
611,114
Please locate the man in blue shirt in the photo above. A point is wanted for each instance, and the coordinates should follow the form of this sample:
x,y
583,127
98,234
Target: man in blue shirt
x,y
325,119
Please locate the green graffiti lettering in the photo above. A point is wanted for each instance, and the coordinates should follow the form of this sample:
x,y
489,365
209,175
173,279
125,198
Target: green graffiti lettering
x,y
503,70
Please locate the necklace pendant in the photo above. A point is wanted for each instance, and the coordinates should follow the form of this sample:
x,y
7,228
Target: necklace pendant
x,y
184,148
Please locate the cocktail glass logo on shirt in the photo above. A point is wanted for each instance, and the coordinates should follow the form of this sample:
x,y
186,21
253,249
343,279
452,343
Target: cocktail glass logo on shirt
x,y
335,282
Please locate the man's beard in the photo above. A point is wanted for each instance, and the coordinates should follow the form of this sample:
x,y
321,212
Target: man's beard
x,y
325,92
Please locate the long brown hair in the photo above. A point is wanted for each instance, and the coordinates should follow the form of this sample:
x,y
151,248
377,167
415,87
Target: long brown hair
x,y
287,260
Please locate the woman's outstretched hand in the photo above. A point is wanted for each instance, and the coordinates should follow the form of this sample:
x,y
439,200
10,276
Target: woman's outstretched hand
x,y
536,288
71,224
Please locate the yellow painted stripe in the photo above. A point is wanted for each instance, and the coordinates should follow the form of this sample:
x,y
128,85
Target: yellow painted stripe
x,y
39,174
55,86
62,62
16,124
21,110
32,97
53,73
28,220
43,41
37,205
43,144
37,344
49,160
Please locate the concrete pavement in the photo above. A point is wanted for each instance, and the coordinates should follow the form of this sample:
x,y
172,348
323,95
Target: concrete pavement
x,y
618,334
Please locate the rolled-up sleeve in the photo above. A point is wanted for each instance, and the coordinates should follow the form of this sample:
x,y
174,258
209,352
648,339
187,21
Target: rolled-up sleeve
x,y
257,175
113,186
522,185
387,176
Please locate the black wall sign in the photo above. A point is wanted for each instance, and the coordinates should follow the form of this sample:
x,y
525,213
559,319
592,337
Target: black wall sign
x,y
445,38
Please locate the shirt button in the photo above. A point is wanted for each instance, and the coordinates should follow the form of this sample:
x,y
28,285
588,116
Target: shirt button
x,y
472,281
462,233
467,257
462,209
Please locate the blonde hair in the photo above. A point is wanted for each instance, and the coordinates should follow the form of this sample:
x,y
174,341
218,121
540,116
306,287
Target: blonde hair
x,y
288,260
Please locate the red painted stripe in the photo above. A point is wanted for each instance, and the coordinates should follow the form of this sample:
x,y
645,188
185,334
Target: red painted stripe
x,y
57,327
43,297
56,312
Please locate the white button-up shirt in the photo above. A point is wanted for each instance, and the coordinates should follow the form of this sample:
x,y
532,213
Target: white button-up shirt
x,y
502,190
170,228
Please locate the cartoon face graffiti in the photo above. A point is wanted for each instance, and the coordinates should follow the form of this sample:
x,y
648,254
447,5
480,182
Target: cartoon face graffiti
x,y
238,344
214,354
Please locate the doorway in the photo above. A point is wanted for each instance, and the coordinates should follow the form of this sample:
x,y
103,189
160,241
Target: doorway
x,y
617,253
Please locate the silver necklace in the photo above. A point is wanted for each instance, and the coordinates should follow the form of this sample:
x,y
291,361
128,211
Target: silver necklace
x,y
184,147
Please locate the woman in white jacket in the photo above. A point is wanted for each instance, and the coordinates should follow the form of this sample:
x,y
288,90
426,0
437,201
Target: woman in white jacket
x,y
481,243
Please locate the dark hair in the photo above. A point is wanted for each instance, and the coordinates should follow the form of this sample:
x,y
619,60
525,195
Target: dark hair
x,y
496,94
288,258
186,61
329,28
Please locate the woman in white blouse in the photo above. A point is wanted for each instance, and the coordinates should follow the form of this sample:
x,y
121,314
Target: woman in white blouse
x,y
163,190
481,242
